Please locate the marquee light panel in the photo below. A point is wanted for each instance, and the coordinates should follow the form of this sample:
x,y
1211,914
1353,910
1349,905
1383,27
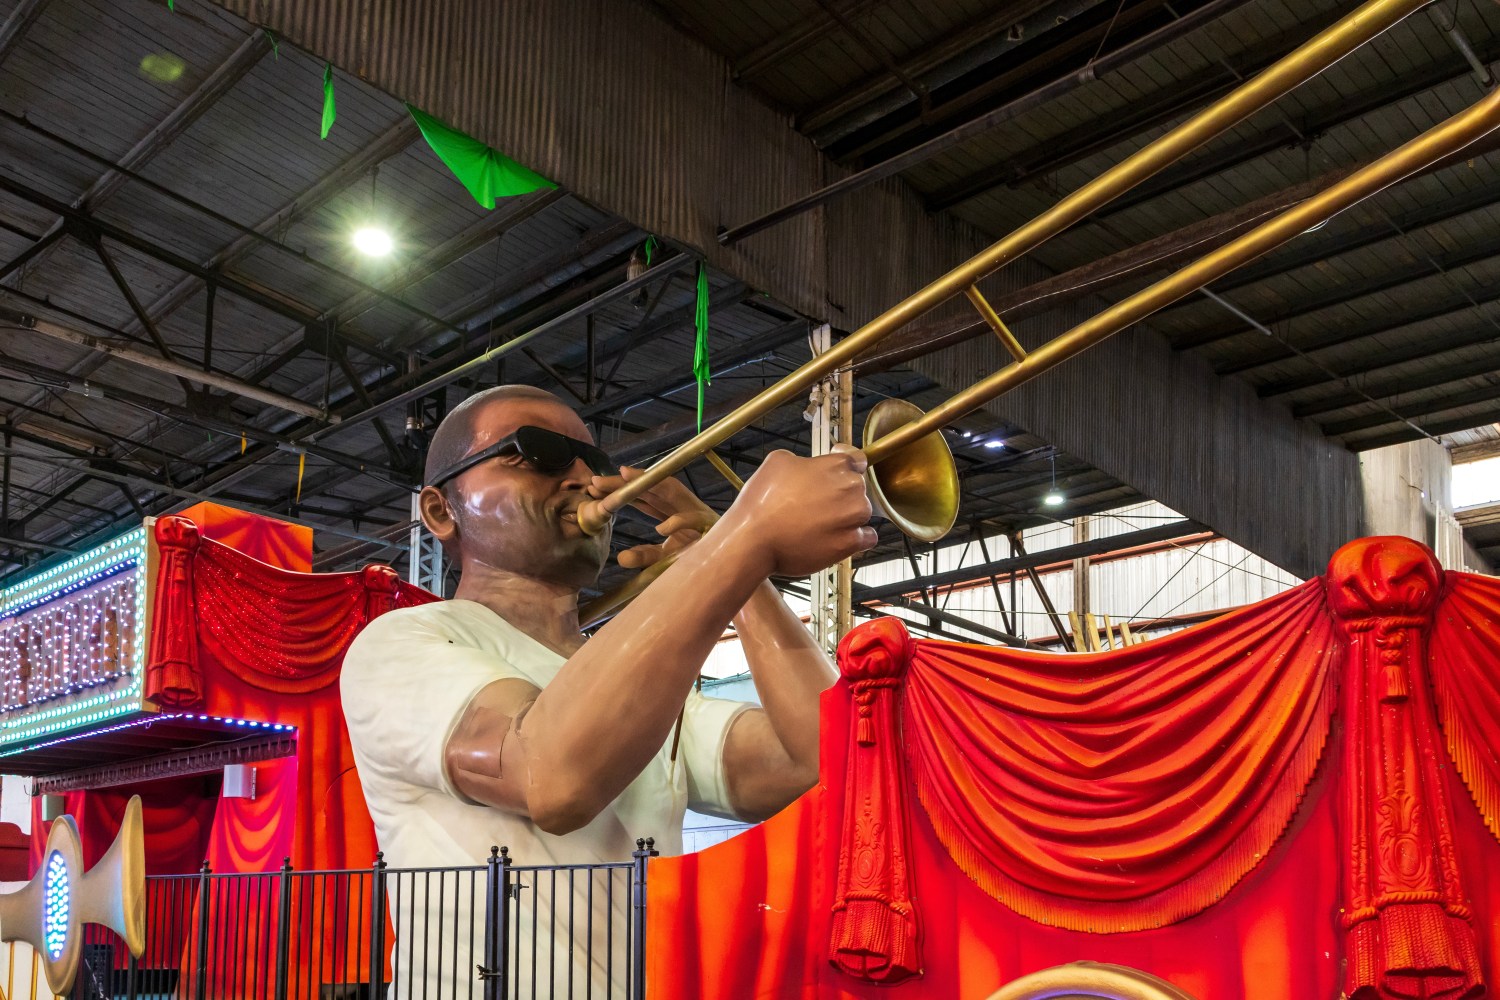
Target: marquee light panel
x,y
73,641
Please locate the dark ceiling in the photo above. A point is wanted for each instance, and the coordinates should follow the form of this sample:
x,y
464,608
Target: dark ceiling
x,y
1382,326
164,193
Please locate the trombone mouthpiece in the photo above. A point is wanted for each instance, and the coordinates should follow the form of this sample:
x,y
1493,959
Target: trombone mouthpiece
x,y
593,517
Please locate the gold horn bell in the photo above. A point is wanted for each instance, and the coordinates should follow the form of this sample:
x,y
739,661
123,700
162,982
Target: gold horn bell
x,y
916,486
49,912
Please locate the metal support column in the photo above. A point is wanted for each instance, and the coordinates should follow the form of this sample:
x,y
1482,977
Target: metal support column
x,y
831,412
425,563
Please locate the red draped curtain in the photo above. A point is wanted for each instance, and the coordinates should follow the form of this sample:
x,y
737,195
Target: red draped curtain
x,y
1186,806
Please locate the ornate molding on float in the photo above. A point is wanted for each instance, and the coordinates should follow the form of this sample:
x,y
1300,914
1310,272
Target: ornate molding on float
x,y
200,760
1405,910
875,928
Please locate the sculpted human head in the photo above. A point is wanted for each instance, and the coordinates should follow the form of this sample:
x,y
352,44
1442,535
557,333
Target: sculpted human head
x,y
503,514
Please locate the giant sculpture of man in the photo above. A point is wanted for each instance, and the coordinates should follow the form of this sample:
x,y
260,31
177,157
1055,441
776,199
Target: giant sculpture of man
x,y
488,719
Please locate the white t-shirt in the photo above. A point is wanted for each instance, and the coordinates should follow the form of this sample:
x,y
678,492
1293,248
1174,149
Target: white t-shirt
x,y
406,681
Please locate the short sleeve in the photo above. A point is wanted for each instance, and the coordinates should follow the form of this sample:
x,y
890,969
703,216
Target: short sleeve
x,y
404,686
705,727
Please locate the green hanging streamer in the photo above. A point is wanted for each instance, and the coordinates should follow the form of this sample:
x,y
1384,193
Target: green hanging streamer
x,y
328,110
651,245
275,43
700,348
484,170
172,6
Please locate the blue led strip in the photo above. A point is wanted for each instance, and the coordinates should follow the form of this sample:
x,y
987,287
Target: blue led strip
x,y
270,727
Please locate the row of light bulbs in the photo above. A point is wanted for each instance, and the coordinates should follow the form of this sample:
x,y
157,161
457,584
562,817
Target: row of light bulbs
x,y
70,643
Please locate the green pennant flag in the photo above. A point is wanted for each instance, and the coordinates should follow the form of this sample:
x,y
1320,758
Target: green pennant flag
x,y
700,347
275,44
651,245
328,110
484,170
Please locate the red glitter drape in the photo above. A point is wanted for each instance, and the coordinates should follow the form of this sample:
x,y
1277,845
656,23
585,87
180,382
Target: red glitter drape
x,y
1185,807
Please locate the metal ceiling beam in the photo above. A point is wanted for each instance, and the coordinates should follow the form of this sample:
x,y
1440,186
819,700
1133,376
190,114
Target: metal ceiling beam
x,y
384,146
604,242
178,120
250,232
615,347
1132,263
957,53
1344,293
810,30
1009,111
750,349
1433,428
1072,44
94,389
16,25
1402,385
175,368
669,266
1346,110
1452,305
1179,99
1312,248
276,303
1482,331
484,230
1174,248
1410,411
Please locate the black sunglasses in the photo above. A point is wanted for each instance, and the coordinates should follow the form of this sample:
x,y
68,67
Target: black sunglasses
x,y
545,451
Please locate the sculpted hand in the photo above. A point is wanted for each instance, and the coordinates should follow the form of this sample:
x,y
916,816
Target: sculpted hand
x,y
805,514
683,517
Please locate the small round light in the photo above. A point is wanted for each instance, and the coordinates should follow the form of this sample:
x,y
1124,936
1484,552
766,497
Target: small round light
x,y
372,241
1054,499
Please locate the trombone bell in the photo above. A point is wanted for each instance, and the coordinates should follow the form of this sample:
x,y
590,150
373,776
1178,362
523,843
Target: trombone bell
x,y
916,486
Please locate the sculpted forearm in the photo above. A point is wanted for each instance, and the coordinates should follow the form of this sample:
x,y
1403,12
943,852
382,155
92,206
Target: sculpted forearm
x,y
790,673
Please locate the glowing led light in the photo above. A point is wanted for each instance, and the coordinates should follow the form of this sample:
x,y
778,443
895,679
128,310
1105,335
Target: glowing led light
x,y
1054,499
55,911
163,67
373,241
994,443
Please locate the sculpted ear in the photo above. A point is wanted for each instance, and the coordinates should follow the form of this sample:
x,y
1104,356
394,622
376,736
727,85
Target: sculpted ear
x,y
437,515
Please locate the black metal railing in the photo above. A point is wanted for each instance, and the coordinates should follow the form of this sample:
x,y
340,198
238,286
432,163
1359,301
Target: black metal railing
x,y
498,931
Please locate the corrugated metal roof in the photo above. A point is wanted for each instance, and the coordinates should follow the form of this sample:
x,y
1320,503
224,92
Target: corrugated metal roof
x,y
1390,287
252,155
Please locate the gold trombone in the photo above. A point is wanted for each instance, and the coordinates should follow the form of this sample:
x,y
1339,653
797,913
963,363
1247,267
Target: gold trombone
x,y
911,474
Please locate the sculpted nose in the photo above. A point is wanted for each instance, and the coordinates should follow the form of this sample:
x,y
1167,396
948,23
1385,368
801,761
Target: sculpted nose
x,y
578,476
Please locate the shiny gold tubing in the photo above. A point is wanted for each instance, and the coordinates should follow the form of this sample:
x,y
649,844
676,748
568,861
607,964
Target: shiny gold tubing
x,y
1316,55
1449,137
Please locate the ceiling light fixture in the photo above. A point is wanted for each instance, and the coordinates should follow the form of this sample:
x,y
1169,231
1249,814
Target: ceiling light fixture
x,y
1054,497
994,443
373,241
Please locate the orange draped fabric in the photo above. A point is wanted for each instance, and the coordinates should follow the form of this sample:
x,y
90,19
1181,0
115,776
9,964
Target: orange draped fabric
x,y
1186,807
1119,791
